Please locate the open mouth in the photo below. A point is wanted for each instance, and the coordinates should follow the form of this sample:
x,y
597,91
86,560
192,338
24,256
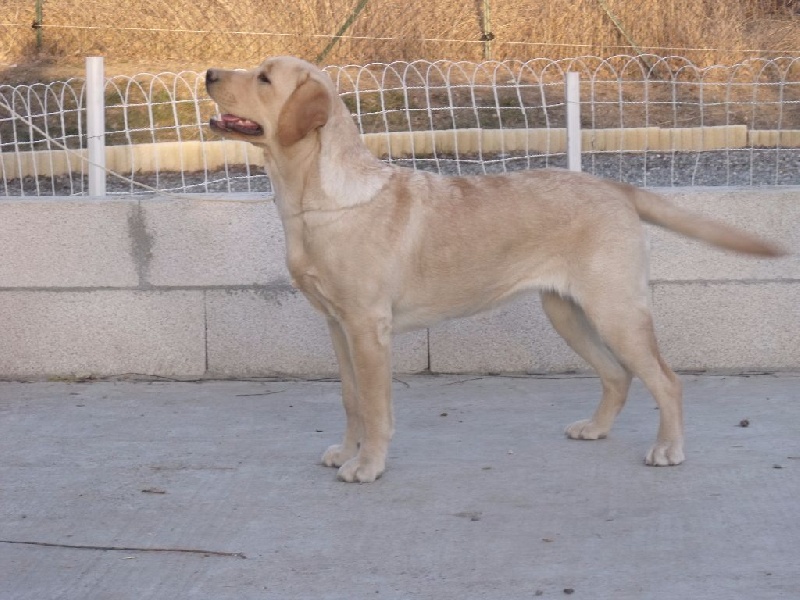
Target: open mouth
x,y
233,124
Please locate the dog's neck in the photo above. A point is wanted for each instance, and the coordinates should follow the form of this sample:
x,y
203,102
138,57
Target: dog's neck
x,y
345,159
320,172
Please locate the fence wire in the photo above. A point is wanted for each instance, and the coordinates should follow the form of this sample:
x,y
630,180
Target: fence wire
x,y
646,119
362,31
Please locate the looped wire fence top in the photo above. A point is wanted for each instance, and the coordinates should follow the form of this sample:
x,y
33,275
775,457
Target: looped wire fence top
x,y
646,119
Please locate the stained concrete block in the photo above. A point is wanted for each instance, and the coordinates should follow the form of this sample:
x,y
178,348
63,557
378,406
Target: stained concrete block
x,y
221,247
728,325
516,337
277,332
101,333
699,326
66,242
772,213
214,242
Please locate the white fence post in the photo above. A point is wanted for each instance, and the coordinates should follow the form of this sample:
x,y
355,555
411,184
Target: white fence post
x,y
573,93
96,125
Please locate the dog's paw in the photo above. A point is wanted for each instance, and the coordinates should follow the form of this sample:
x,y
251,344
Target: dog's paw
x,y
360,469
664,454
585,430
337,455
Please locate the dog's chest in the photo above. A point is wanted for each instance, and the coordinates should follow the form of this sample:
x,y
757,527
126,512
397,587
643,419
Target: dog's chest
x,y
313,290
305,276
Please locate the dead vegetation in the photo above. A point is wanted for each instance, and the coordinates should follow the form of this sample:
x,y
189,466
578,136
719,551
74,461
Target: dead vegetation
x,y
160,35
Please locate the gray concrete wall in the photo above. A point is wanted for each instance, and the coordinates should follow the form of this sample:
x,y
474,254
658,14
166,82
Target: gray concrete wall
x,y
190,289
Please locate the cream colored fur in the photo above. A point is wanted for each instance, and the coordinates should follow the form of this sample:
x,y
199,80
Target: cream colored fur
x,y
379,249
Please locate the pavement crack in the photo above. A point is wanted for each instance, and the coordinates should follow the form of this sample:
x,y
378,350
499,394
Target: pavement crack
x,y
126,548
260,394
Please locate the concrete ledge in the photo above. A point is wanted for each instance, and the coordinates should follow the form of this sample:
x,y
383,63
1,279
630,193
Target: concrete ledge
x,y
215,242
255,333
772,213
66,243
731,326
95,333
514,338
185,288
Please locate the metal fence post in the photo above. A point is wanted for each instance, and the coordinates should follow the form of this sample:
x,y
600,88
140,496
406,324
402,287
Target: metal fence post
x,y
573,93
96,125
345,26
487,35
37,24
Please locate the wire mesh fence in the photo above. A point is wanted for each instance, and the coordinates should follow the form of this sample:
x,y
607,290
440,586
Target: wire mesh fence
x,y
361,31
645,119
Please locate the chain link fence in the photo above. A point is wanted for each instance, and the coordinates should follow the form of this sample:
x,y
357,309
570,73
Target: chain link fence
x,y
242,32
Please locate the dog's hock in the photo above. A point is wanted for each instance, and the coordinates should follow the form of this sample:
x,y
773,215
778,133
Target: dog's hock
x,y
306,109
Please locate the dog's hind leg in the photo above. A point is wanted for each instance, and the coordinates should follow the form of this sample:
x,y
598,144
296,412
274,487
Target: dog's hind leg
x,y
571,323
625,324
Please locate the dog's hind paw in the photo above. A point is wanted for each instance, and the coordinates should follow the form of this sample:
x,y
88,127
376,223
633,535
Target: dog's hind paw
x,y
361,470
664,454
337,455
586,430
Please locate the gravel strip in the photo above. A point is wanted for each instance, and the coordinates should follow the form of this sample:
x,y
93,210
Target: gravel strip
x,y
747,167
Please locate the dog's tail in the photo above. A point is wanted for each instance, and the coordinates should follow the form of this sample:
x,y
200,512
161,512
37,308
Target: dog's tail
x,y
658,211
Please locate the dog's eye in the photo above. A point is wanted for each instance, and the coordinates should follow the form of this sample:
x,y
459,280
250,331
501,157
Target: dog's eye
x,y
262,77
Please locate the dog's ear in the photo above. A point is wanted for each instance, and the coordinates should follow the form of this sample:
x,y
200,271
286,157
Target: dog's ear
x,y
306,110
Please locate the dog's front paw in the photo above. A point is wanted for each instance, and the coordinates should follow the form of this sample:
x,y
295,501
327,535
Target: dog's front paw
x,y
664,454
337,455
586,430
361,469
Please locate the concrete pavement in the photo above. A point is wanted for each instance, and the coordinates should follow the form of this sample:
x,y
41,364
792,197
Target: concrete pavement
x,y
483,498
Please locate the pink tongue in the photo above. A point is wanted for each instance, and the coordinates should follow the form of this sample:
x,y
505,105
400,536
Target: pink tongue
x,y
239,122
234,123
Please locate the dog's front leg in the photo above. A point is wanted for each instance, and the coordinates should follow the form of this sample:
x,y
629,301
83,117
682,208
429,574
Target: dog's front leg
x,y
370,345
338,454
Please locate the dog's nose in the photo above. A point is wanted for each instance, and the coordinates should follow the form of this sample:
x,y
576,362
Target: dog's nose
x,y
211,76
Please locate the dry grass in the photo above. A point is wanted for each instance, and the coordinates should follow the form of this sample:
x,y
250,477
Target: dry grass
x,y
153,33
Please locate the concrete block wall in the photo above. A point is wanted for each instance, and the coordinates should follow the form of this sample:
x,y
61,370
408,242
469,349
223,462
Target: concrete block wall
x,y
198,288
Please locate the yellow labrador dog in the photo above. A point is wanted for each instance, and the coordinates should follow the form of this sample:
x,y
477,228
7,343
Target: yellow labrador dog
x,y
380,249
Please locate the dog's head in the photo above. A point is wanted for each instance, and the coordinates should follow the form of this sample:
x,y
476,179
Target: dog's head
x,y
275,105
